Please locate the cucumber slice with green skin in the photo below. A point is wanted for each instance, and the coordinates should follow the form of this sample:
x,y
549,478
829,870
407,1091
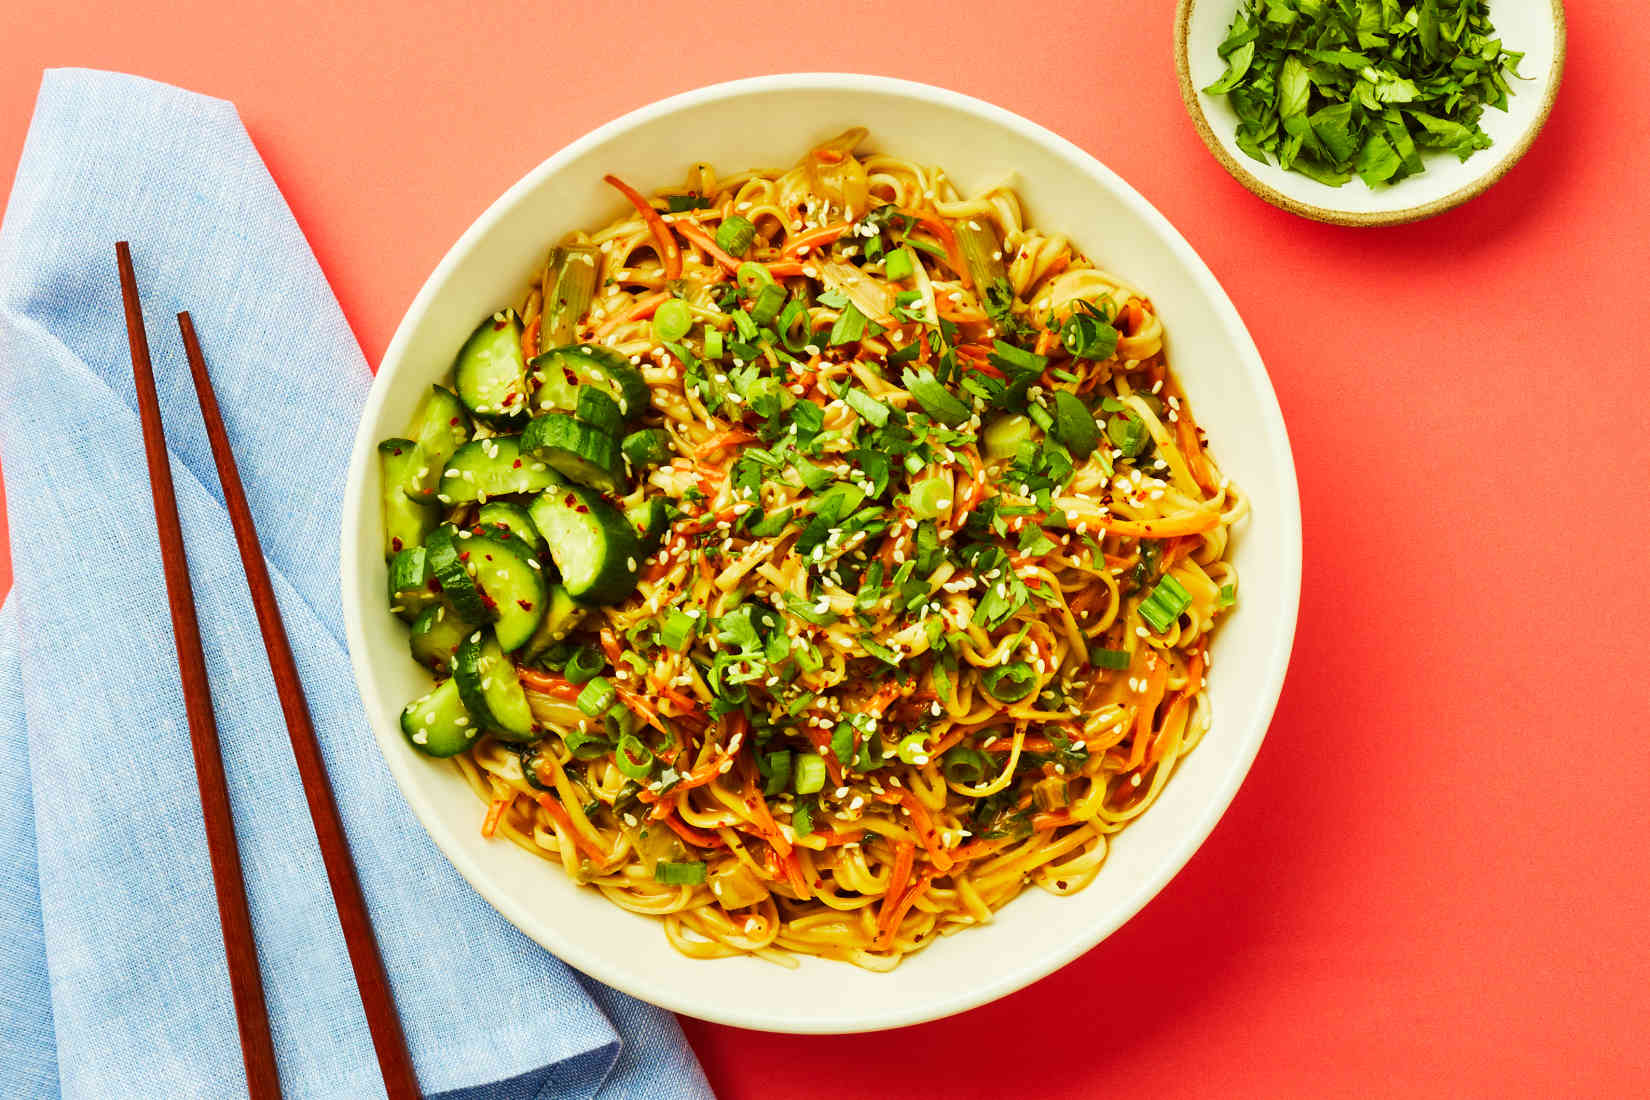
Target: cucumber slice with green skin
x,y
580,452
561,614
511,583
1074,425
490,373
594,545
648,447
559,374
440,426
412,586
439,724
492,467
436,636
406,521
488,686
448,550
598,409
512,519
649,517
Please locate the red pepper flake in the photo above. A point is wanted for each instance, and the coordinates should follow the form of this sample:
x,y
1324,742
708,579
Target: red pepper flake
x,y
567,372
463,555
498,326
453,423
395,543
398,452
525,605
516,465
580,509
509,398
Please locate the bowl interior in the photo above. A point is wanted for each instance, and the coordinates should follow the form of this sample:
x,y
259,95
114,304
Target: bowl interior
x,y
769,122
1533,26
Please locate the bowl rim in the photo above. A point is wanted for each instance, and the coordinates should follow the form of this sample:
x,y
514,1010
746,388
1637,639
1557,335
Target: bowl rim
x,y
1359,218
1284,510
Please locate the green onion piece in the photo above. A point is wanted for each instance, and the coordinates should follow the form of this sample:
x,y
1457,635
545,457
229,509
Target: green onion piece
x,y
569,283
842,743
585,745
672,320
776,770
850,326
747,327
809,773
930,498
1003,436
913,748
802,818
673,873
768,303
597,696
752,277
713,343
964,765
1228,595
901,264
585,662
1108,658
735,234
1127,433
1011,682
1088,336
981,250
867,406
1040,416
795,339
1163,606
675,632
633,758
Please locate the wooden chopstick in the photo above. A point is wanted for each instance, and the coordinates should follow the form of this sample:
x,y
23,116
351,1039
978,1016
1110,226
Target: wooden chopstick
x,y
387,1038
245,982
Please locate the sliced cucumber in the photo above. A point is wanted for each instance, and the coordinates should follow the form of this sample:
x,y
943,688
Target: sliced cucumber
x,y
491,467
559,374
582,452
488,685
592,542
439,724
436,635
649,517
440,426
490,373
449,550
412,586
511,583
561,615
598,409
648,447
512,519
406,521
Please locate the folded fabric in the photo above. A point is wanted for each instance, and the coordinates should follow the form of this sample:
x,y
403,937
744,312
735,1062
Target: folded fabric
x,y
112,974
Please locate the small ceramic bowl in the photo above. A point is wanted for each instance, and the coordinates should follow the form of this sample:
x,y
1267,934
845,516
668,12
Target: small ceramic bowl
x,y
1534,26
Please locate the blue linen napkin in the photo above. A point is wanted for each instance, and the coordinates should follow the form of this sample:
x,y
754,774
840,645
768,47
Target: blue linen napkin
x,y
112,975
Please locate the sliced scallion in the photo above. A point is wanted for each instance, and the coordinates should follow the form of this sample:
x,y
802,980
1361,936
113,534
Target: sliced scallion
x,y
1165,603
683,873
597,696
672,320
809,773
633,758
735,234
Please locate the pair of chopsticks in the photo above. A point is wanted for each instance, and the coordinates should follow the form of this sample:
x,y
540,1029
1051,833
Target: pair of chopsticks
x,y
251,1014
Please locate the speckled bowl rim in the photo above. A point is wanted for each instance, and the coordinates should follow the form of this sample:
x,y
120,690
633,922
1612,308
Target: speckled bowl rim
x,y
1188,95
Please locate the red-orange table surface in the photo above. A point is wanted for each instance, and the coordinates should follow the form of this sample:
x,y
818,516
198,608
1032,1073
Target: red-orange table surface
x,y
1436,880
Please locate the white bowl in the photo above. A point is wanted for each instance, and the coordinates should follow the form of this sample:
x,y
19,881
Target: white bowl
x,y
770,121
1534,26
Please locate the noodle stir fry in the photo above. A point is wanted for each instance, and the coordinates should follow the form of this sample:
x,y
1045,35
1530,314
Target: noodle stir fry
x,y
813,560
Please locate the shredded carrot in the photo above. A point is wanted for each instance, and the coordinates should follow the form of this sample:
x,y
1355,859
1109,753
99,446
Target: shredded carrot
x,y
1146,711
924,825
816,238
947,240
530,339
546,683
669,254
489,825
785,269
585,844
1046,821
645,307
905,856
733,437
1192,449
700,238
793,875
1046,341
691,835
1189,523
897,917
